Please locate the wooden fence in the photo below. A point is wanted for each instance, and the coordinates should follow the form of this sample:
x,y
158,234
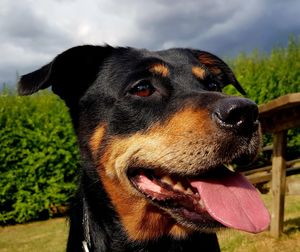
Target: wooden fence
x,y
277,117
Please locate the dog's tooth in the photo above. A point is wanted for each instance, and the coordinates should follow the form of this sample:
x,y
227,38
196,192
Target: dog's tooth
x,y
230,167
167,180
178,186
189,191
201,203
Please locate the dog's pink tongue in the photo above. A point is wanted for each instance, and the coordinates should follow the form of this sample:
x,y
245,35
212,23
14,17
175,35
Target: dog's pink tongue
x,y
234,202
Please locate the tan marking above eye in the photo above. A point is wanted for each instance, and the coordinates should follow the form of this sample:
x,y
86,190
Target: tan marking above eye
x,y
199,72
159,69
210,63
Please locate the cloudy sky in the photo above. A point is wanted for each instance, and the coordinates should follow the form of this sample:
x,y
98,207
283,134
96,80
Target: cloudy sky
x,y
33,32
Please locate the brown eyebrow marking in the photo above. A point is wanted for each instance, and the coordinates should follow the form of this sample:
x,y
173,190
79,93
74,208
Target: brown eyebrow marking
x,y
159,69
210,63
199,72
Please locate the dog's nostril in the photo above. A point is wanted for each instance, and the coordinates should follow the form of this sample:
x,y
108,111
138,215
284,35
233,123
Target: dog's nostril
x,y
236,113
232,116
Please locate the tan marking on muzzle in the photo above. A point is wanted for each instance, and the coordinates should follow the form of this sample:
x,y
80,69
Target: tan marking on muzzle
x,y
165,145
180,145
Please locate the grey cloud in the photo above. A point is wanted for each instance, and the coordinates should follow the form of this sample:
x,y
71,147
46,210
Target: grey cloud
x,y
225,28
27,40
25,28
32,33
182,23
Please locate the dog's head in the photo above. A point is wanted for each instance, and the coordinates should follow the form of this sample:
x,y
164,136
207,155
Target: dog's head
x,y
160,133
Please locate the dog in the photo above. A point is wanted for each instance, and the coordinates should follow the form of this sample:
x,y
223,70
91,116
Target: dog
x,y
156,136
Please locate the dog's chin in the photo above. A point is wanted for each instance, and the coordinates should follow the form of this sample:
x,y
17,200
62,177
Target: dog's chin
x,y
175,195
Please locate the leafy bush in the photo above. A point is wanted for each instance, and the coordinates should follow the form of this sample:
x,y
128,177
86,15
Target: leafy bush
x,y
38,157
266,77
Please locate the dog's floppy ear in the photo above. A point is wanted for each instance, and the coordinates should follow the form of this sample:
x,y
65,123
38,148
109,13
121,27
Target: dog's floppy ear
x,y
218,68
69,74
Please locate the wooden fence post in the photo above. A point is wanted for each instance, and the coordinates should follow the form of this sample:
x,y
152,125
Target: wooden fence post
x,y
278,183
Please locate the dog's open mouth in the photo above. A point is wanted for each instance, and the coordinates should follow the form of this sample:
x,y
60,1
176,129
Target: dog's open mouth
x,y
220,198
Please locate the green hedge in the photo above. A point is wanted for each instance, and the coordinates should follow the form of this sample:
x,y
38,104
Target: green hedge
x,y
38,157
268,76
38,153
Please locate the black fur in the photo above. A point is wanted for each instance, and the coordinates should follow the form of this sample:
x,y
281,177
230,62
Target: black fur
x,y
94,81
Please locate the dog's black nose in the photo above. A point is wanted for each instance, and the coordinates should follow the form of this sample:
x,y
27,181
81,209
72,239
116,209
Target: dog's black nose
x,y
237,114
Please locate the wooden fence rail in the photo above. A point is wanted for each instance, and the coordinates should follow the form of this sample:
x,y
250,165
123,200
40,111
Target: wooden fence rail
x,y
264,174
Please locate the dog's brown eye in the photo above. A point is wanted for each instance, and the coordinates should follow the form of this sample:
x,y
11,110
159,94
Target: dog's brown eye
x,y
214,87
143,89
